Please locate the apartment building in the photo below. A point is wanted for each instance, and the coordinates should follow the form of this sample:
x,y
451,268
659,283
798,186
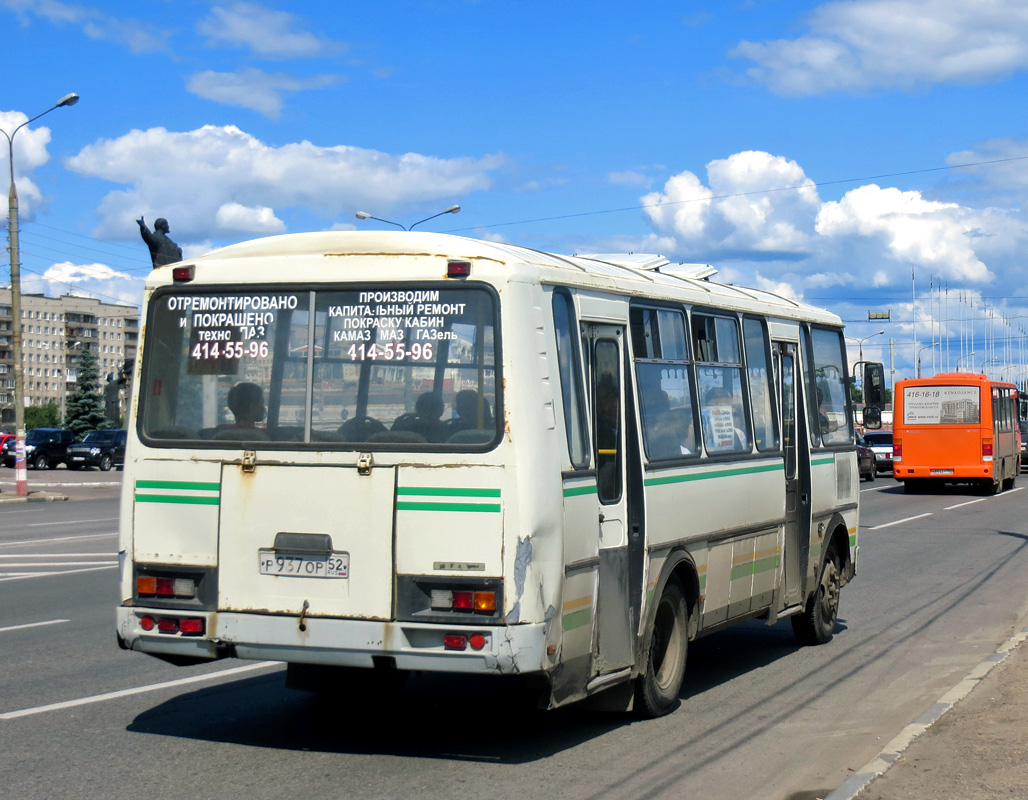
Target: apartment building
x,y
54,332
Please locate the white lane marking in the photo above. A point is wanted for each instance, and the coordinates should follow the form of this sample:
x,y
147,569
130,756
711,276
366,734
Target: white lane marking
x,y
154,687
876,488
69,522
968,503
24,575
59,564
899,521
62,539
58,555
33,625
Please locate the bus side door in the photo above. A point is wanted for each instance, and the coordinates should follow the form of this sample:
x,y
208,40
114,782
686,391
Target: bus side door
x,y
797,475
614,631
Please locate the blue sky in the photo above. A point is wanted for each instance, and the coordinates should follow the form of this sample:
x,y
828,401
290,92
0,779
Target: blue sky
x,y
851,154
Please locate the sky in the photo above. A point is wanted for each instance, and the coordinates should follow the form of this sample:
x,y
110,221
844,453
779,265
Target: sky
x,y
859,155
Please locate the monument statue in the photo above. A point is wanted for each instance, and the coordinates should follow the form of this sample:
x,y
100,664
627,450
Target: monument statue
x,y
163,251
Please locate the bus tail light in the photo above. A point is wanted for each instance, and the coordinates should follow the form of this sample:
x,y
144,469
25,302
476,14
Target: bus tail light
x,y
458,269
897,450
156,586
182,274
455,641
191,626
463,600
986,449
167,625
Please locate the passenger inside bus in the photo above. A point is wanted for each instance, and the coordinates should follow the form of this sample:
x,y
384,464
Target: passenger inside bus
x,y
246,402
425,419
472,412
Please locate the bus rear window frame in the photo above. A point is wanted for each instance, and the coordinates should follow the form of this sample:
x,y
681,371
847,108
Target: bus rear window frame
x,y
197,443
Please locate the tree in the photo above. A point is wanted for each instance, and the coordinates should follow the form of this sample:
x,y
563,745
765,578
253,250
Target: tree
x,y
46,416
86,403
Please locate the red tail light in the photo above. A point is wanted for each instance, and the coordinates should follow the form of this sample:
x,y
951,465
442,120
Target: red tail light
x,y
455,641
986,449
897,450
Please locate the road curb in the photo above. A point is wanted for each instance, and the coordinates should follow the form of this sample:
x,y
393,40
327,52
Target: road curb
x,y
892,752
40,497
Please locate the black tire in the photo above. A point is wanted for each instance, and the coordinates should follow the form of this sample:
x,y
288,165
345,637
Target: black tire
x,y
656,690
105,463
816,625
873,473
41,461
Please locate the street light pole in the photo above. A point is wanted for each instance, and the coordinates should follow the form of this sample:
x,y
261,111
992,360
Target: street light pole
x,y
969,355
933,344
860,342
20,473
366,215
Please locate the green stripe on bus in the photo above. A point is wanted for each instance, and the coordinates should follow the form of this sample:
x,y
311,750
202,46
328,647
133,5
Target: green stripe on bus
x,y
443,491
576,619
755,567
200,487
195,500
724,473
575,491
482,507
853,540
817,462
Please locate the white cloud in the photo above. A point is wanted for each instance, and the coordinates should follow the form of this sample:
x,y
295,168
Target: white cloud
x,y
140,36
188,176
236,217
30,153
741,210
629,178
253,88
912,230
87,280
860,45
268,33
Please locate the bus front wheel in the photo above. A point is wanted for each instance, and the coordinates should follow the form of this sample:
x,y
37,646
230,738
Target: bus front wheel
x,y
656,690
816,625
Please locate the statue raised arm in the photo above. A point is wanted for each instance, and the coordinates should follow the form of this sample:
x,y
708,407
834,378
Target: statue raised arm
x,y
163,250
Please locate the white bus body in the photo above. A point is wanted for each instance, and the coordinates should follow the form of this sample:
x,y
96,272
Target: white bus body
x,y
478,458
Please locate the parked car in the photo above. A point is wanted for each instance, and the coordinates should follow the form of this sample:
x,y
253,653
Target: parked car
x,y
103,449
1022,429
866,462
881,443
3,440
45,448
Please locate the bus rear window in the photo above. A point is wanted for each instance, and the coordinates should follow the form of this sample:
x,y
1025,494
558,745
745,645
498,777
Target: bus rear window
x,y
401,368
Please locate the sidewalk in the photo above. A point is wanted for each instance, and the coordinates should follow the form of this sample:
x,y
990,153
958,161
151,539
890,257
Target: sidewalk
x,y
972,744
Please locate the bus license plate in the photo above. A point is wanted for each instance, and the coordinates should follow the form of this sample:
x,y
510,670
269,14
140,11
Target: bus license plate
x,y
304,565
942,472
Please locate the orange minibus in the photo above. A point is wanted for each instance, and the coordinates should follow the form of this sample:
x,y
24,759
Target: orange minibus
x,y
955,428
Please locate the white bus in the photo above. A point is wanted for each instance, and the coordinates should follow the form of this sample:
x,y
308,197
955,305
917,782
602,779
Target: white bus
x,y
370,453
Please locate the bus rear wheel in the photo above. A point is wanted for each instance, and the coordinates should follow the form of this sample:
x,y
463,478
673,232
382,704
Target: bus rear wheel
x,y
656,690
816,625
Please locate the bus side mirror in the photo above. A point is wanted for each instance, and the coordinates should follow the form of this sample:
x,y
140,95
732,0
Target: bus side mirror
x,y
874,394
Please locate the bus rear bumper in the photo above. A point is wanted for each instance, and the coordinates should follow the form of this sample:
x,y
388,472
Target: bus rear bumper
x,y
953,474
504,650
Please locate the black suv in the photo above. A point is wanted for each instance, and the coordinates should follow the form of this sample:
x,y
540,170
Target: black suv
x,y
103,449
45,448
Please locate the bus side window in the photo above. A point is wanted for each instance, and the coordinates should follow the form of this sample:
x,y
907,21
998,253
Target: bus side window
x,y
724,421
607,405
755,341
569,367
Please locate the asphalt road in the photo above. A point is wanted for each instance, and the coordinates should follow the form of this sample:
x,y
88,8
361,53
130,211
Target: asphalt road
x,y
940,586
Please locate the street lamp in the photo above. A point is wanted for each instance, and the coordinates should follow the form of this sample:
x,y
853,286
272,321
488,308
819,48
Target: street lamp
x,y
20,474
860,342
926,347
969,355
366,215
